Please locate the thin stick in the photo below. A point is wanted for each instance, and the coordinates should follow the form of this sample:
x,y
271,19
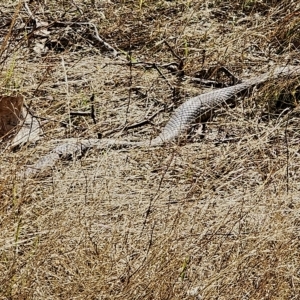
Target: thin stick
x,y
287,156
13,21
96,35
135,125
67,89
93,115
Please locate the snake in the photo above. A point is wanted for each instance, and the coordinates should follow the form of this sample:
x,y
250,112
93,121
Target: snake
x,y
198,108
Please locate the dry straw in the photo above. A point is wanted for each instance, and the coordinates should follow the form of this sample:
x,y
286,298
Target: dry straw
x,y
214,217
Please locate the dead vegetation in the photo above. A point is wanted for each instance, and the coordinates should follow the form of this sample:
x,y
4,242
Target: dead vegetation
x,y
216,217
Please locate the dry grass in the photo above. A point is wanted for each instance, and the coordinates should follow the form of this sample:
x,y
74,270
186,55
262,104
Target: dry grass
x,y
215,218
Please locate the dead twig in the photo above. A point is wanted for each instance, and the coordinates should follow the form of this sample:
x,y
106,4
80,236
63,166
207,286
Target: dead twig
x,y
93,115
132,126
95,35
8,35
173,66
86,113
80,113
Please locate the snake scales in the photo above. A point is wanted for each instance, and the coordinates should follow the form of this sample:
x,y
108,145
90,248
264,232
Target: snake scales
x,y
198,107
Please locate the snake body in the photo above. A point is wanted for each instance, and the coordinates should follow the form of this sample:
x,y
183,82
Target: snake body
x,y
199,107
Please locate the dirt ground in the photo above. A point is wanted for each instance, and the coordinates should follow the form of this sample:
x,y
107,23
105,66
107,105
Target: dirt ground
x,y
214,216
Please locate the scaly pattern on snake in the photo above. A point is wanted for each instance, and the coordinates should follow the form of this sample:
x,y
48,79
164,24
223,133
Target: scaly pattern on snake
x,y
198,107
